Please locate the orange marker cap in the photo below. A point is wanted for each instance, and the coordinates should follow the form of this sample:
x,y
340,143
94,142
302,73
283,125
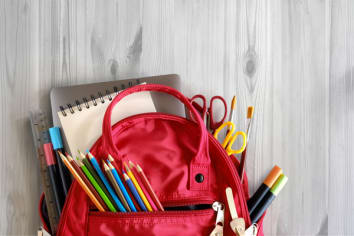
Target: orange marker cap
x,y
273,176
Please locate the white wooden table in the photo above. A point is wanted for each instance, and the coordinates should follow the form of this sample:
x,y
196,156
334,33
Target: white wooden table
x,y
292,60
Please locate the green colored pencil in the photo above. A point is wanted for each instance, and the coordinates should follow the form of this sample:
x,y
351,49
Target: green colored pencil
x,y
97,187
86,162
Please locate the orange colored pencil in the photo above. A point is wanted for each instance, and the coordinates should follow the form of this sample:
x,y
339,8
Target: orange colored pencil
x,y
148,187
84,178
82,183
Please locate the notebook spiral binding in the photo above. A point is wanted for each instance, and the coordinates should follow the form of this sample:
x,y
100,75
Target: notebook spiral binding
x,y
100,98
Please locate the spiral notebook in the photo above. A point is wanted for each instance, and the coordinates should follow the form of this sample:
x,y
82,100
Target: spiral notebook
x,y
81,117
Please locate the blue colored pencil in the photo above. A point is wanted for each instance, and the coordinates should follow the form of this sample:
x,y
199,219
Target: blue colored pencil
x,y
105,182
134,192
122,187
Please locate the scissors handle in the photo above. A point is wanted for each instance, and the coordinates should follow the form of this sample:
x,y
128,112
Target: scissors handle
x,y
201,109
229,149
230,138
212,124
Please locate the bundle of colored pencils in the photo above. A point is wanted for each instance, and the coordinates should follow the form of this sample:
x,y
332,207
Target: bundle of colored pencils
x,y
105,188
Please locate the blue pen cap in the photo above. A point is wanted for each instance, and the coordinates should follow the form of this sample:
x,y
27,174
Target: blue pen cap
x,y
55,136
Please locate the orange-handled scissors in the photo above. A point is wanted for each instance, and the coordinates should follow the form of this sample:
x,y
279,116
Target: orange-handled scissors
x,y
231,138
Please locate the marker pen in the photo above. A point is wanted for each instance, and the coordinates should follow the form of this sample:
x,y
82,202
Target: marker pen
x,y
264,188
57,142
268,198
51,166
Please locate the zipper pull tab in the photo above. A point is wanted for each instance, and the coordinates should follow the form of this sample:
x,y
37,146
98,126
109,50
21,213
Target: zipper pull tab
x,y
219,224
252,230
237,224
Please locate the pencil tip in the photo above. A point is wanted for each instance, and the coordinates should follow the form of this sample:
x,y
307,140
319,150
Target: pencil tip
x,y
110,157
131,164
110,165
126,166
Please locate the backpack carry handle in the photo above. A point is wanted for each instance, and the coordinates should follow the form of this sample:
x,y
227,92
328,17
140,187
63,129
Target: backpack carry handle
x,y
199,164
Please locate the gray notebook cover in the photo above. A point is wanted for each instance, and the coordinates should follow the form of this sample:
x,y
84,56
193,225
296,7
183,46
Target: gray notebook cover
x,y
61,97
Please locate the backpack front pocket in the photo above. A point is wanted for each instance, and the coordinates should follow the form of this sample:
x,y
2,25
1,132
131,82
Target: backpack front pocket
x,y
167,223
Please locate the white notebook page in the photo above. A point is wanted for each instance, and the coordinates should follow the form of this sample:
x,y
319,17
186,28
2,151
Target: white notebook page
x,y
82,128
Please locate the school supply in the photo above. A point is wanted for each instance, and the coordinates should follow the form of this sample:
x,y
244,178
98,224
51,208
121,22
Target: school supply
x,y
116,187
39,126
134,192
142,186
183,163
82,123
264,188
65,97
51,167
232,108
149,188
241,171
121,186
98,188
268,198
137,186
57,142
84,177
87,164
230,138
82,184
237,224
220,217
117,203
207,113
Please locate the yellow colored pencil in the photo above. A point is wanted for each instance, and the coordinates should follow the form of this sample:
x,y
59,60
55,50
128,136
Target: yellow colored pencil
x,y
137,186
82,184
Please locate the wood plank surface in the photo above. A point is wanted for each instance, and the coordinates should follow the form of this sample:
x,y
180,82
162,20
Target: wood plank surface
x,y
292,60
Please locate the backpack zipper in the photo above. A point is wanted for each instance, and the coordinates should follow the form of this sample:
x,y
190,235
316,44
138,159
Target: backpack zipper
x,y
236,178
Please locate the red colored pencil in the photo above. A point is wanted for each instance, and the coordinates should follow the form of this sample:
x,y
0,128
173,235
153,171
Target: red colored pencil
x,y
148,187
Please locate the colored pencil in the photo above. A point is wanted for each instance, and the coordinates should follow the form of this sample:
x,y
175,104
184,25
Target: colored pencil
x,y
268,198
137,186
105,181
82,184
149,188
244,153
84,178
51,167
121,186
115,186
146,186
129,193
140,182
264,188
88,165
97,187
134,191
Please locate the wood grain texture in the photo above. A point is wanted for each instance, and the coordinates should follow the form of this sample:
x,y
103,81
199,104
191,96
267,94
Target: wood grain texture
x,y
292,60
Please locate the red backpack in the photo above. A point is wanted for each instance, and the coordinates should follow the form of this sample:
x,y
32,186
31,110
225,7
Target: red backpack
x,y
186,166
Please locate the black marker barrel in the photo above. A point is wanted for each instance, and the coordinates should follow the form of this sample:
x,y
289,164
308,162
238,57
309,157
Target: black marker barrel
x,y
268,198
264,188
